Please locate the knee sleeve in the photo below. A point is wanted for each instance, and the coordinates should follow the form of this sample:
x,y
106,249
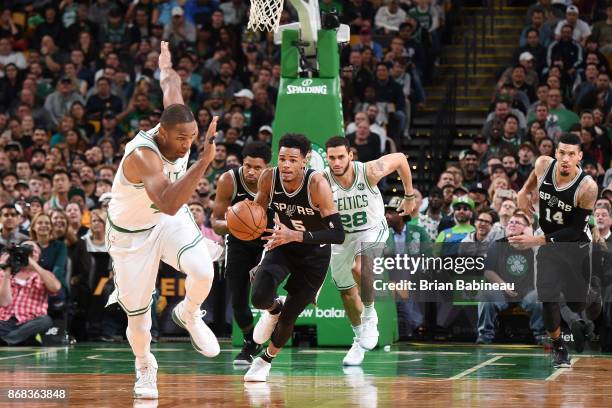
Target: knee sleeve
x,y
196,263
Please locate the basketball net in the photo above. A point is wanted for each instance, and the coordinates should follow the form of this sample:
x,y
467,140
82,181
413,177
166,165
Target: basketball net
x,y
265,15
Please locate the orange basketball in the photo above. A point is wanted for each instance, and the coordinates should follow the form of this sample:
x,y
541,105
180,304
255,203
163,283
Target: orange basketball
x,y
246,220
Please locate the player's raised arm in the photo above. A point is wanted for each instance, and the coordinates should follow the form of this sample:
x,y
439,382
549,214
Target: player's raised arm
x,y
382,167
264,185
145,166
524,198
223,199
169,80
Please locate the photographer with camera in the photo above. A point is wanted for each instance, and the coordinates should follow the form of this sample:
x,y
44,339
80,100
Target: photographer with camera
x,y
24,288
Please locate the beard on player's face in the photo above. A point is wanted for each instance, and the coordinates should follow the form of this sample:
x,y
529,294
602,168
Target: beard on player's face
x,y
343,171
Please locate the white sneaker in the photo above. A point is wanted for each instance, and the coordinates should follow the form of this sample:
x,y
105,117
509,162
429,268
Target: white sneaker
x,y
266,324
368,338
259,393
355,355
259,371
146,379
202,338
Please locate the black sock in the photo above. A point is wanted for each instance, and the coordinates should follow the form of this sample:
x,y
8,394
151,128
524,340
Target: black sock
x,y
267,357
558,341
277,307
248,335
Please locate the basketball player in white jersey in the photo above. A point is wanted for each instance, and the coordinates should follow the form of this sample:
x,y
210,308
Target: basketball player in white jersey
x,y
362,212
148,221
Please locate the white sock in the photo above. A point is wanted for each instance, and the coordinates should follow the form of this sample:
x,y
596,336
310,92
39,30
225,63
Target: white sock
x,y
368,311
357,330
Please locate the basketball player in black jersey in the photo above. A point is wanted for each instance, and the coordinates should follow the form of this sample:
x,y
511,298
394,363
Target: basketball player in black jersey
x,y
566,197
241,256
299,247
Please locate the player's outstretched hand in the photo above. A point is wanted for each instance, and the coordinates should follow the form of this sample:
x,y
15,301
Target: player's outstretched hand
x,y
207,150
523,241
406,207
165,58
279,235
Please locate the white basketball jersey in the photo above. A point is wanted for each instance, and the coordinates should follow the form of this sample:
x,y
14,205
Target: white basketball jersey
x,y
130,208
361,206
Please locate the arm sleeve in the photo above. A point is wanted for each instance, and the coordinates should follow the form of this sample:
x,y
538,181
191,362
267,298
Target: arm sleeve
x,y
333,235
573,231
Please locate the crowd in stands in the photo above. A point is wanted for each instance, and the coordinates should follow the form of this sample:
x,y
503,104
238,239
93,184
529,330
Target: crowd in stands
x,y
78,79
558,81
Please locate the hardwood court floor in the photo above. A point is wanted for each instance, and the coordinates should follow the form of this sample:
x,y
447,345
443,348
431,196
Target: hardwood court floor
x,y
419,375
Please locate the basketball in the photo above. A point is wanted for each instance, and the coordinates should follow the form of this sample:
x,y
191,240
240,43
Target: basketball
x,y
246,220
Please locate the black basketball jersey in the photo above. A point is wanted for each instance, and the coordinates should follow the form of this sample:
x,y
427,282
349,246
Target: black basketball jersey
x,y
242,192
295,210
557,205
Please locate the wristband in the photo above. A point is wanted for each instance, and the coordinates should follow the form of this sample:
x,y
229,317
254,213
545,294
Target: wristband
x,y
409,196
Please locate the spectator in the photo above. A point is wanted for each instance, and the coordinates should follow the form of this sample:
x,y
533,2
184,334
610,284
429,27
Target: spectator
x,y
552,13
389,17
9,56
179,30
468,161
103,100
367,143
580,29
602,32
23,298
61,187
539,29
480,239
75,218
567,50
9,234
54,253
390,93
520,272
463,208
58,102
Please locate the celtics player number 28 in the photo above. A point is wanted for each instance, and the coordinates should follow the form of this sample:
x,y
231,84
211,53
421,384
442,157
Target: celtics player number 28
x,y
354,220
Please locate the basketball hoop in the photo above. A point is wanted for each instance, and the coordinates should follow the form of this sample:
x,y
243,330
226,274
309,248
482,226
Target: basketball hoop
x,y
265,15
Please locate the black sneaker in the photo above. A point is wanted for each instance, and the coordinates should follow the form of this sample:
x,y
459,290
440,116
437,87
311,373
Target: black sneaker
x,y
249,350
579,332
560,355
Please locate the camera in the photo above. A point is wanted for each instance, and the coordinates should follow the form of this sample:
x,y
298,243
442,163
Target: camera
x,y
19,256
330,20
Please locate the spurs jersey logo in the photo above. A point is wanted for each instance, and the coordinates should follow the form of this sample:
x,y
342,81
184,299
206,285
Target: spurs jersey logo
x,y
554,202
290,210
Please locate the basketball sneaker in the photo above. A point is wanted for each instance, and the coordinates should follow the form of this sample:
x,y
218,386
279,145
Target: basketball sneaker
x,y
560,355
368,339
202,338
259,371
266,324
248,352
146,378
355,355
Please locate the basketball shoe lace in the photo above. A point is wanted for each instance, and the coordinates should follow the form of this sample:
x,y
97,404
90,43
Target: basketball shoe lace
x,y
190,318
147,375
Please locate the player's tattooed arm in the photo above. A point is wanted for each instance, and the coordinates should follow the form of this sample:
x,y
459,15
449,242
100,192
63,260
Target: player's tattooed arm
x,y
587,196
223,200
264,187
382,167
169,80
